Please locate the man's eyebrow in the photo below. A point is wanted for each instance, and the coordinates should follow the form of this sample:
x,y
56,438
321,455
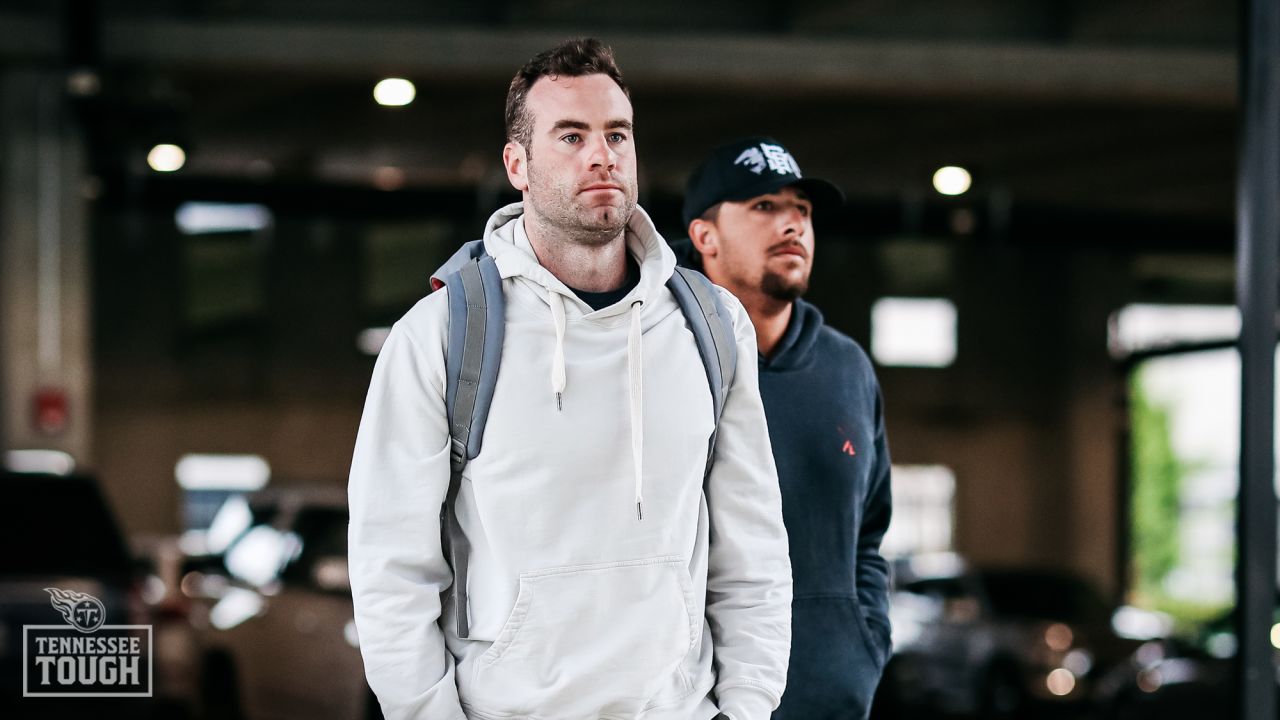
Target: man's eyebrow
x,y
580,125
574,124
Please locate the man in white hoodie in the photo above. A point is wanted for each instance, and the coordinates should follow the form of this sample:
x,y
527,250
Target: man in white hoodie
x,y
607,577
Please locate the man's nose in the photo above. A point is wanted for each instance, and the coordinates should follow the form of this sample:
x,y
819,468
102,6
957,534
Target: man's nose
x,y
793,223
601,153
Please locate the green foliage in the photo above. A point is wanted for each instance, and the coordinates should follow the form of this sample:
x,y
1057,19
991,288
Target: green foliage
x,y
1157,477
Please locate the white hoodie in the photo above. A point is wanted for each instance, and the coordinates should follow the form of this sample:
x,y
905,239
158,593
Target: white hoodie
x,y
581,606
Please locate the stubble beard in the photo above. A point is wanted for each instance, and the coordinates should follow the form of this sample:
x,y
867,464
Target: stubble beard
x,y
592,226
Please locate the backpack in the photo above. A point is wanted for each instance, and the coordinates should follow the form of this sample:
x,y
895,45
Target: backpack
x,y
477,315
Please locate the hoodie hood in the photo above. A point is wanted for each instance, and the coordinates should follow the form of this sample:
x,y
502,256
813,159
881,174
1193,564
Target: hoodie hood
x,y
506,241
796,348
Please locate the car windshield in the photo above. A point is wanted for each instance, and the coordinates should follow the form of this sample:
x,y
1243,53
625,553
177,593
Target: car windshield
x,y
59,526
1042,595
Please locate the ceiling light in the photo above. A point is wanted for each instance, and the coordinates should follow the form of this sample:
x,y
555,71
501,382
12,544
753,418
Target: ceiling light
x,y
952,180
222,472
388,178
197,218
166,158
394,92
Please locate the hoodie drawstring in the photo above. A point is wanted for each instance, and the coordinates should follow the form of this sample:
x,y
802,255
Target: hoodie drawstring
x,y
635,370
557,362
635,376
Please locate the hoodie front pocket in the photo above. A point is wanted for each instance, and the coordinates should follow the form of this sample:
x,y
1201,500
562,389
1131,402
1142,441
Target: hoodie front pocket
x,y
588,640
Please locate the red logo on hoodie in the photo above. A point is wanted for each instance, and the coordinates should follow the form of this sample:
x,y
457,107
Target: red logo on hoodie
x,y
847,448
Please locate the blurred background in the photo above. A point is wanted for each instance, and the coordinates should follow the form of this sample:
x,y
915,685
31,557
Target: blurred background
x,y
211,211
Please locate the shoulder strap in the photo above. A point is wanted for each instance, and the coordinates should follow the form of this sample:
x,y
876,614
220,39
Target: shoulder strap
x,y
476,326
713,331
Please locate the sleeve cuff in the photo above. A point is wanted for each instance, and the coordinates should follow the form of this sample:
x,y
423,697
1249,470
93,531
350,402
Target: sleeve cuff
x,y
746,703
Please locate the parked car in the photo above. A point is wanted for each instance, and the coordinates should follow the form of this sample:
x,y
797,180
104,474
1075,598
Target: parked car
x,y
995,642
277,615
58,531
1187,677
1167,679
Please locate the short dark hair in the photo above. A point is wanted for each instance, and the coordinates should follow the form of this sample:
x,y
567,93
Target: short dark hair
x,y
571,58
712,214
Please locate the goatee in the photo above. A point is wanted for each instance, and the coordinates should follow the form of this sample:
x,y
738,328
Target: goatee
x,y
780,289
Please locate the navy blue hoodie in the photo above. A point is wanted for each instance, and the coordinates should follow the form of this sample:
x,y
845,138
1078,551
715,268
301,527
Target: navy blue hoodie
x,y
826,424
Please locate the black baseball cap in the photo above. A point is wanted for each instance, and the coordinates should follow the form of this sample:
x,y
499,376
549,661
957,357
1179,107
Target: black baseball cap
x,y
744,169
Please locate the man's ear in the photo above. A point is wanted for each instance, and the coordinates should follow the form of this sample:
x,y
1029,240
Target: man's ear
x,y
705,237
517,165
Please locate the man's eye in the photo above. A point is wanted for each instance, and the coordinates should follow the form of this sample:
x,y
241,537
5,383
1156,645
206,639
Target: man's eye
x,y
617,137
764,205
804,210
572,138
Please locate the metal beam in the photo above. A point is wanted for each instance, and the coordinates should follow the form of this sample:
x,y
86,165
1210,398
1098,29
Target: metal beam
x,y
1257,255
782,65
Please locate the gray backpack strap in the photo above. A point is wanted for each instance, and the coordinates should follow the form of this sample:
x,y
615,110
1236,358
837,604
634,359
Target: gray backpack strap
x,y
476,327
469,251
713,331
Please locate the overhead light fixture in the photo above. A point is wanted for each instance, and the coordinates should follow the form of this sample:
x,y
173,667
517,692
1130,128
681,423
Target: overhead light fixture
x,y
166,157
952,180
198,218
394,92
84,82
388,178
222,472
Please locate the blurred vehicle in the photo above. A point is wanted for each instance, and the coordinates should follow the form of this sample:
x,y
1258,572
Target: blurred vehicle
x,y
58,531
997,643
1191,677
276,610
159,560
1169,679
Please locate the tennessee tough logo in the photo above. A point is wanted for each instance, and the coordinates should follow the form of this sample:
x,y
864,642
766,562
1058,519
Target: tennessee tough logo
x,y
82,611
84,656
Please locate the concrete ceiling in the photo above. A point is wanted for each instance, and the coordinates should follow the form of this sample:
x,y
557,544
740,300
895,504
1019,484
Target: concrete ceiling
x,y
1097,106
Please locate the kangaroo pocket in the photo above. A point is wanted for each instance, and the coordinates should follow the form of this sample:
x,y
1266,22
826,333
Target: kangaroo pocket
x,y
834,666
588,640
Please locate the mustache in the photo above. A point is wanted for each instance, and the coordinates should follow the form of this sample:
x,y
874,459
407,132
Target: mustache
x,y
788,245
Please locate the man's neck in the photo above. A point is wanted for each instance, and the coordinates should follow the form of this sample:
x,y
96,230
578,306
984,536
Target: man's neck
x,y
770,317
586,266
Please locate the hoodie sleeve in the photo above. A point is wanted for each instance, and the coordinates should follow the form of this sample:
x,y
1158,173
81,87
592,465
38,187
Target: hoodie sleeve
x,y
399,478
749,572
873,570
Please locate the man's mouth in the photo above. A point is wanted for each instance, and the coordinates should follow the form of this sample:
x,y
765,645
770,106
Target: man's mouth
x,y
795,250
601,186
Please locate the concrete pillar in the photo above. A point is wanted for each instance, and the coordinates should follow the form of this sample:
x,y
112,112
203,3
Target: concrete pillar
x,y
45,348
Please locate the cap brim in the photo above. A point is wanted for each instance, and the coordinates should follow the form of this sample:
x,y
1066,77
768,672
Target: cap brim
x,y
825,196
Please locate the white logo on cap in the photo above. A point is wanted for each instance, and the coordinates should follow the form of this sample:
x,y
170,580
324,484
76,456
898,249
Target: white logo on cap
x,y
752,159
775,157
780,161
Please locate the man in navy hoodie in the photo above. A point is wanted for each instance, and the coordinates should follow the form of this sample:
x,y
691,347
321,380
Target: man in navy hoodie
x,y
749,214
